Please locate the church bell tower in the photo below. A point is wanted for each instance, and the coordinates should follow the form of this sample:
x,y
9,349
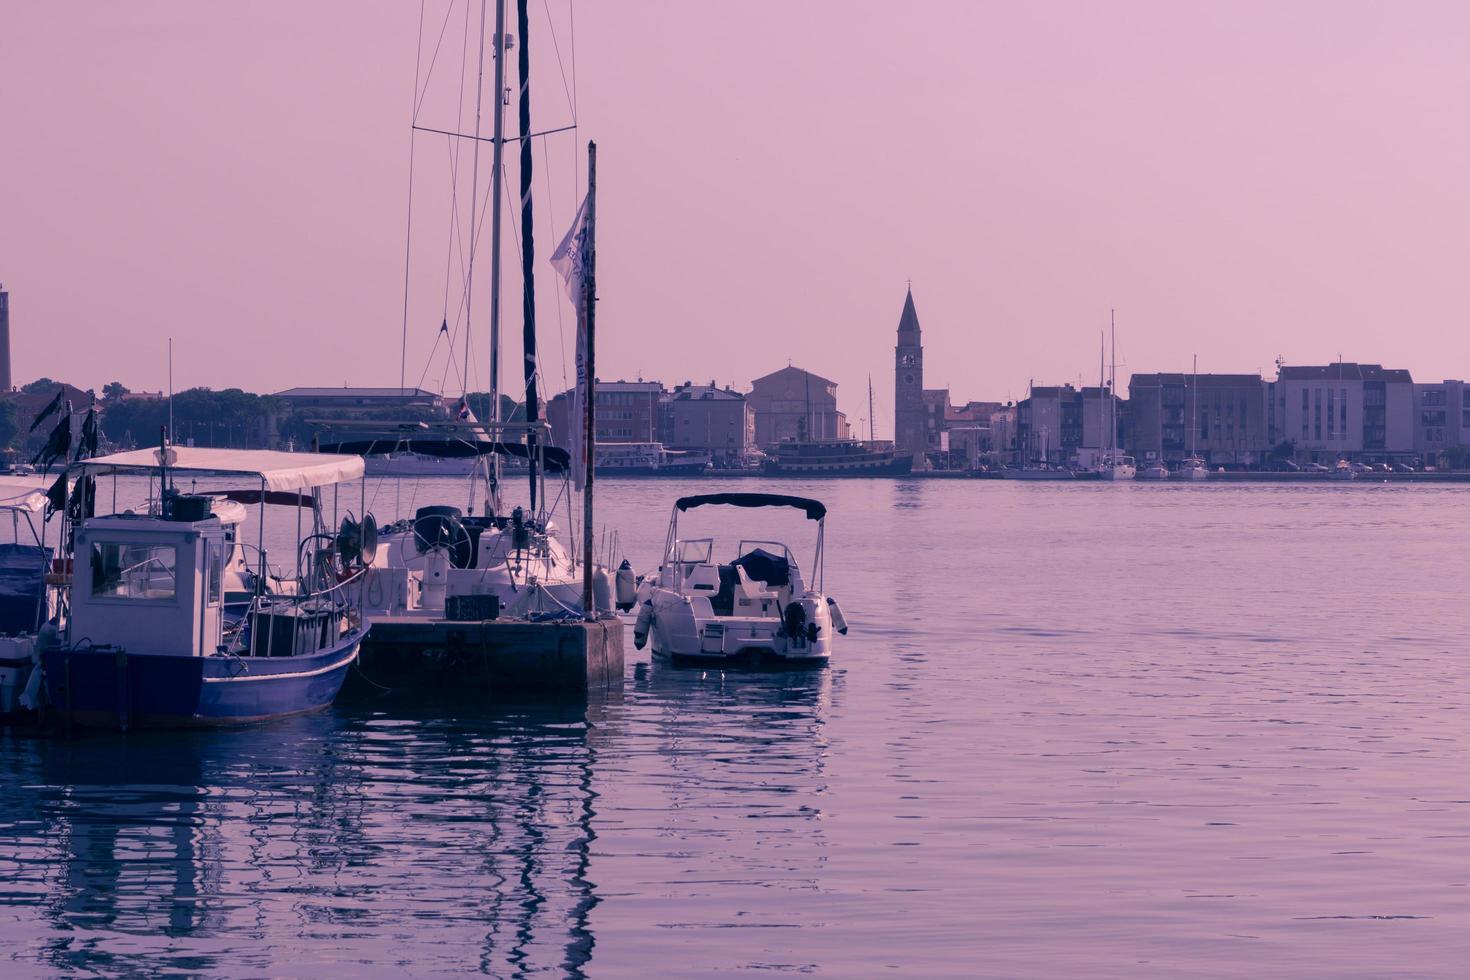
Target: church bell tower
x,y
908,385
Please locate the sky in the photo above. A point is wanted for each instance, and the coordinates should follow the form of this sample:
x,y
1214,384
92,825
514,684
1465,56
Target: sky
x,y
1239,181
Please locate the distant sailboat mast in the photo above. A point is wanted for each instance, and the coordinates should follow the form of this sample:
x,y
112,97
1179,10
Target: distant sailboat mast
x,y
871,437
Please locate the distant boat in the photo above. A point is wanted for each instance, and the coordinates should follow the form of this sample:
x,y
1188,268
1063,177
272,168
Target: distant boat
x,y
648,459
420,464
1155,471
1193,467
837,457
1114,465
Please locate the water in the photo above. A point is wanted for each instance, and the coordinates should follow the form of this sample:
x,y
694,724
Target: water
x,y
1076,730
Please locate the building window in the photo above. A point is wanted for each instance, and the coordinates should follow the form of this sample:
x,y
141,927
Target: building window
x,y
1317,414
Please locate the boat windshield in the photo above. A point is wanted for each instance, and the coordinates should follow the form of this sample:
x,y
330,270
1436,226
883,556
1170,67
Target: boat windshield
x,y
696,551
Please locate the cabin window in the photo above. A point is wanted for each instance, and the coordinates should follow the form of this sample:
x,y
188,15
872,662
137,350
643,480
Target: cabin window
x,y
133,571
215,565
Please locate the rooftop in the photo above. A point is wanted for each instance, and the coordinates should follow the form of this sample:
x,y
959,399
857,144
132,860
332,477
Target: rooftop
x,y
1343,371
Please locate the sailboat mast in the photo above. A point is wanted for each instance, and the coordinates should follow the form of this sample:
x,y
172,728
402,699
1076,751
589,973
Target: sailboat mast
x,y
1112,383
1102,388
871,437
469,279
528,249
1194,407
497,170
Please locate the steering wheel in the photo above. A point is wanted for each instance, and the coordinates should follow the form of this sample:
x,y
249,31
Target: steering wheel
x,y
443,532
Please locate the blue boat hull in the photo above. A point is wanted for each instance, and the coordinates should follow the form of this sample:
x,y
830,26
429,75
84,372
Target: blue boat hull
x,y
108,688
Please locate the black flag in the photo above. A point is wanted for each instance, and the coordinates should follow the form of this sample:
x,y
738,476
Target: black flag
x,y
56,496
57,445
51,409
87,445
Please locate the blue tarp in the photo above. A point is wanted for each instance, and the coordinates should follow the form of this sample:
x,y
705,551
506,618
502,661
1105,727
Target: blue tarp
x,y
22,586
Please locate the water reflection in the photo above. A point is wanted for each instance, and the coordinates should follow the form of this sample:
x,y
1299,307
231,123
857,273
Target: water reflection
x,y
448,840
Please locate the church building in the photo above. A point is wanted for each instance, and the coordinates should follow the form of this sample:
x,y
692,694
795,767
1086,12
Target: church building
x,y
909,413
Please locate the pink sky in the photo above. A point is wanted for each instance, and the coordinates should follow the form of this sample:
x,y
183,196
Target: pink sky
x,y
1240,180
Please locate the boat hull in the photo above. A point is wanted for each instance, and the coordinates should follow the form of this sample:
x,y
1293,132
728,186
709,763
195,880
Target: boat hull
x,y
115,689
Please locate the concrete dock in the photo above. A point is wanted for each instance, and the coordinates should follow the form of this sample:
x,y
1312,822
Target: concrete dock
x,y
496,657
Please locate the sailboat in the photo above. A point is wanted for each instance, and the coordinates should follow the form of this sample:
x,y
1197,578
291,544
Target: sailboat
x,y
1193,467
444,557
1114,465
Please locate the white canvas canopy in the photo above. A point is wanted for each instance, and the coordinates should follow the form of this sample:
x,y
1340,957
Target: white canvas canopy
x,y
24,493
276,470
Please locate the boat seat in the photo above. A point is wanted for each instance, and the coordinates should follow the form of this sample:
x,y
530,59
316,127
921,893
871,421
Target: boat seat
x,y
752,590
702,578
723,601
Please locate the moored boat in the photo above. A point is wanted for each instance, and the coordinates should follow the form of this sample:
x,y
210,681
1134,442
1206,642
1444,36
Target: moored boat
x,y
837,457
756,609
1155,470
147,643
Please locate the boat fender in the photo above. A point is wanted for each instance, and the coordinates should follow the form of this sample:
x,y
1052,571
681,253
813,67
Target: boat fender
x,y
641,627
602,589
839,621
627,586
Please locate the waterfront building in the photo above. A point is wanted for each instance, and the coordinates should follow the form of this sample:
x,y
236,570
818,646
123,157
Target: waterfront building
x,y
793,404
910,417
1442,422
1219,417
627,411
1346,410
1061,424
719,421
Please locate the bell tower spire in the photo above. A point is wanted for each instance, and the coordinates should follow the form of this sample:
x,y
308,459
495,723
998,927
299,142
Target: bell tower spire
x,y
908,384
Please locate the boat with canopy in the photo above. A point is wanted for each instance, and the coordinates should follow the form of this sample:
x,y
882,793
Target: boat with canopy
x,y
146,642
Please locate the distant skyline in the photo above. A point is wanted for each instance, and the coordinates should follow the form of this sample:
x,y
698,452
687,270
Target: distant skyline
x,y
1240,181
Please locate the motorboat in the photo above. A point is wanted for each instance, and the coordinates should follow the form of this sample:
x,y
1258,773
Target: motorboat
x,y
648,459
1193,468
1155,470
147,643
1117,467
755,608
26,603
1343,470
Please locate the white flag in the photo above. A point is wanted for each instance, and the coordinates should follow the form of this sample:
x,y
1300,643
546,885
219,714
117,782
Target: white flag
x,y
570,259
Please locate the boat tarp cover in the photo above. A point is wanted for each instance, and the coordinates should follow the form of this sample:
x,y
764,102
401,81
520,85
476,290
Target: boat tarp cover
x,y
557,460
815,509
26,493
278,470
22,586
762,566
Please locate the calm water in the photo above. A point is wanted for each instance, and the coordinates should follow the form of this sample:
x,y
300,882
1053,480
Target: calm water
x,y
1090,729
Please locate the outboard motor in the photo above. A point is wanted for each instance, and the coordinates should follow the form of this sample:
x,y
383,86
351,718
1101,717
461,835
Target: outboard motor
x,y
520,534
795,619
627,586
640,628
839,621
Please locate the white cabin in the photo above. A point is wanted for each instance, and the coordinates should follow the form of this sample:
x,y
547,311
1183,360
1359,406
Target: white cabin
x,y
150,585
